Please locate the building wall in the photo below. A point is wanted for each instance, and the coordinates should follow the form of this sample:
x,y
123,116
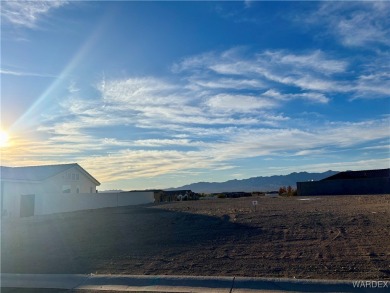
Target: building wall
x,y
10,195
135,198
50,203
73,179
344,187
60,202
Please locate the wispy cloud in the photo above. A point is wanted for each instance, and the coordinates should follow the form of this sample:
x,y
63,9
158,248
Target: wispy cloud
x,y
126,160
248,3
356,24
316,60
374,80
224,83
313,76
307,72
22,73
27,13
293,141
310,96
239,103
336,166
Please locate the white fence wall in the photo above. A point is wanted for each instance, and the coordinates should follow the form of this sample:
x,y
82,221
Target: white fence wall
x,y
59,203
134,198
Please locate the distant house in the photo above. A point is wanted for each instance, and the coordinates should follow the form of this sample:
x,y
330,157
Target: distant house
x,y
349,183
172,195
23,183
237,194
232,194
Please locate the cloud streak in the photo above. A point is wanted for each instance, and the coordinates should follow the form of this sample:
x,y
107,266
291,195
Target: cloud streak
x,y
27,13
21,73
126,162
355,24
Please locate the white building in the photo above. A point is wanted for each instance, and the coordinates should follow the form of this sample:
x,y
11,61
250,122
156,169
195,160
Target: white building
x,y
19,185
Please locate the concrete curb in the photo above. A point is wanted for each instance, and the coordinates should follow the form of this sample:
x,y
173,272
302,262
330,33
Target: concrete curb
x,y
161,283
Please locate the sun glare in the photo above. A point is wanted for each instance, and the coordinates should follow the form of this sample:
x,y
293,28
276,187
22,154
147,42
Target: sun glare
x,y
4,138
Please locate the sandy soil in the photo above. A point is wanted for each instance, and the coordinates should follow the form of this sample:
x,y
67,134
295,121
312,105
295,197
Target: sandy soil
x,y
346,237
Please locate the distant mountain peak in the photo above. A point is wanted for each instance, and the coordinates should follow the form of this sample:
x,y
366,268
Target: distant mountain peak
x,y
261,183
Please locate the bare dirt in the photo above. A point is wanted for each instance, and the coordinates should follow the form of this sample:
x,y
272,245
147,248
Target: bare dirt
x,y
344,237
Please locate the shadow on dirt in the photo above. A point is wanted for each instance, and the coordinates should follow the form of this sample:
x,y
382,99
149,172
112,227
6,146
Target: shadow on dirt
x,y
123,240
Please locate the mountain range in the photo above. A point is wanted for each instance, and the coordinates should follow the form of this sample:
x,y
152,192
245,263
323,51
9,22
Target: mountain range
x,y
270,183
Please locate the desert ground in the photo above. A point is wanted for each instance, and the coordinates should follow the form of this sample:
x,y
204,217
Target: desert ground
x,y
332,237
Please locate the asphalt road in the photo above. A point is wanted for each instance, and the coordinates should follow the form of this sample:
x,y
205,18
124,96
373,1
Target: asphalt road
x,y
161,283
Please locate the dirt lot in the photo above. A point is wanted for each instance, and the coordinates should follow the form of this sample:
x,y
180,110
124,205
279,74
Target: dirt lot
x,y
346,237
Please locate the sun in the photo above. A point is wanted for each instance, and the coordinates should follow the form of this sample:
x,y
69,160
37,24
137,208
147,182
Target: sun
x,y
4,138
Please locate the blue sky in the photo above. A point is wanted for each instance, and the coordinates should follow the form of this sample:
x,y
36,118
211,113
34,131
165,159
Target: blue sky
x,y
161,94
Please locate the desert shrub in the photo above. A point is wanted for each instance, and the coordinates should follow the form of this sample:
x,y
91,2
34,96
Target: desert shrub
x,y
287,191
282,190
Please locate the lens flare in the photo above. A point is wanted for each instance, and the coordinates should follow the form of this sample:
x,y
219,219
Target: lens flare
x,y
4,138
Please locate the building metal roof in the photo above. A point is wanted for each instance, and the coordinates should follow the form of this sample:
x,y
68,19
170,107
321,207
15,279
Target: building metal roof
x,y
39,173
144,190
378,173
174,192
